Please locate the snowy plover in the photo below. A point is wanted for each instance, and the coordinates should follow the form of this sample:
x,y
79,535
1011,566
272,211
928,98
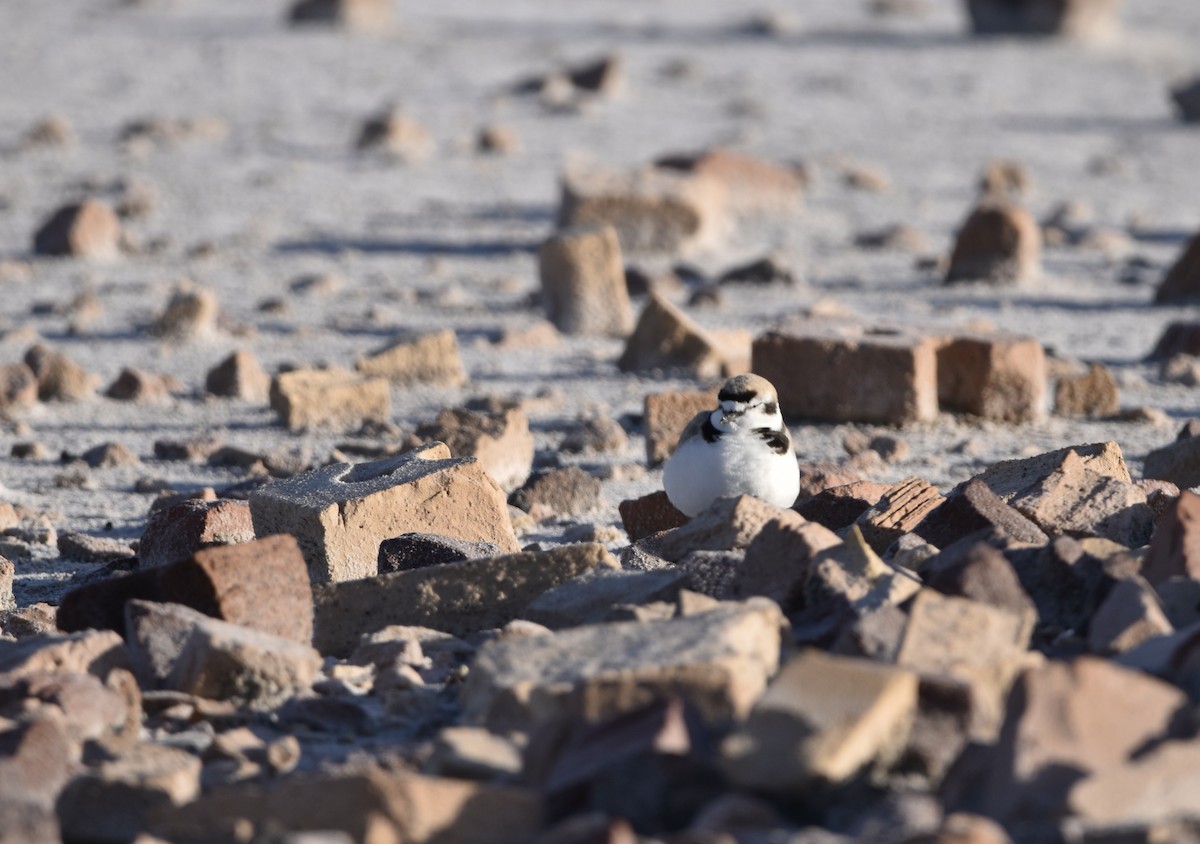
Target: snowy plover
x,y
741,448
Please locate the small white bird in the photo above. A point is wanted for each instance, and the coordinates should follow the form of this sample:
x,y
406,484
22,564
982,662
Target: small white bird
x,y
741,448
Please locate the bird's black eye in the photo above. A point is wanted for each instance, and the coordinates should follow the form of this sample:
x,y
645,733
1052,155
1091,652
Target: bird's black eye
x,y
770,408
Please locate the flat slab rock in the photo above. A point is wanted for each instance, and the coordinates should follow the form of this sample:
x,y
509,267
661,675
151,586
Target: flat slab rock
x,y
721,660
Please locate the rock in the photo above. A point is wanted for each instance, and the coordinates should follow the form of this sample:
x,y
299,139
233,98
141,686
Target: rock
x,y
1065,722
475,754
850,374
89,652
866,177
261,584
459,598
666,415
583,281
58,377
667,339
224,661
368,804
1091,394
430,358
768,270
1157,785
36,760
604,75
1003,179
363,15
779,558
498,140
411,551
999,243
113,800
1186,97
18,389
138,385
1079,19
54,130
500,441
719,660
652,209
109,455
239,376
191,314
1009,477
88,548
1001,377
396,134
568,492
649,514
1182,281
1075,501
1129,616
1064,580
155,634
177,532
728,524
982,574
329,398
838,507
983,646
750,185
27,622
899,511
1178,463
89,229
1175,544
591,597
822,720
341,513
972,507
7,574
596,435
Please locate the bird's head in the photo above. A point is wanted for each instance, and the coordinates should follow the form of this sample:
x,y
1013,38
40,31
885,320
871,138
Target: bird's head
x,y
746,402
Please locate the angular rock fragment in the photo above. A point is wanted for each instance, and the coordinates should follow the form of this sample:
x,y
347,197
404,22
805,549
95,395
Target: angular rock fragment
x,y
823,719
340,514
899,511
108,455
59,378
666,415
1178,463
1001,377
239,376
1182,281
652,210
18,389
559,492
1186,97
411,551
155,635
728,524
850,375
1129,616
329,398
498,140
138,385
177,532
779,558
1092,394
982,574
583,281
1065,582
1009,477
430,358
1080,19
999,243
1157,785
1175,544
720,661
89,229
667,339
838,507
459,598
364,15
592,597
973,507
88,652
190,314
86,547
500,441
648,515
394,133
751,185
36,761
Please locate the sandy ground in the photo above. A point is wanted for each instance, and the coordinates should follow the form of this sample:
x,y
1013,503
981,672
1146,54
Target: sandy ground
x,y
450,241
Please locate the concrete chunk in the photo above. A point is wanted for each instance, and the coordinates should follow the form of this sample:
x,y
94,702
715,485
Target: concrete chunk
x,y
1000,377
583,281
329,398
340,514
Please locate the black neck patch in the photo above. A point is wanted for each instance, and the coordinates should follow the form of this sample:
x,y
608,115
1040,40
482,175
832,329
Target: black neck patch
x,y
779,441
710,432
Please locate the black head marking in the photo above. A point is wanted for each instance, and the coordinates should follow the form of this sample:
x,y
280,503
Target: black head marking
x,y
770,408
729,395
779,441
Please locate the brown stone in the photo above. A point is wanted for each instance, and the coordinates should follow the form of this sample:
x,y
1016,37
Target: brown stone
x,y
1066,721
239,376
138,385
109,455
648,515
983,574
973,507
261,584
1129,616
999,243
1079,19
1175,544
89,229
460,598
1178,338
824,718
1156,786
601,594
751,185
18,389
850,375
329,398
1001,377
899,511
1009,477
176,532
1004,179
569,492
1178,463
667,340
7,574
778,558
500,441
583,281
499,140
394,133
58,377
666,415
719,660
190,314
88,652
838,507
728,524
36,761
430,358
89,548
652,209
1092,394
